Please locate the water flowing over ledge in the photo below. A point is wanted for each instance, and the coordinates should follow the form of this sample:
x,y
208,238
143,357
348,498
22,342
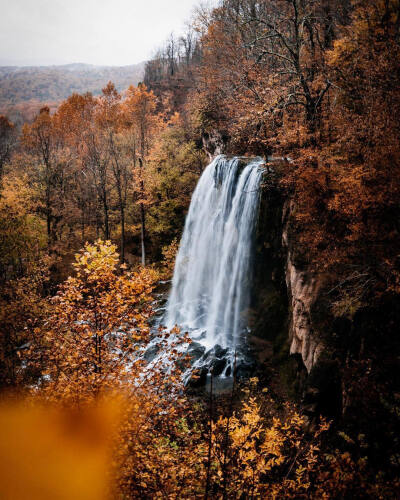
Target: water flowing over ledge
x,y
212,280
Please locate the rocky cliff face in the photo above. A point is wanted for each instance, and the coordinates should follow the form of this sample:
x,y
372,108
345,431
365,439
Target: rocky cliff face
x,y
289,307
321,388
286,290
214,143
303,288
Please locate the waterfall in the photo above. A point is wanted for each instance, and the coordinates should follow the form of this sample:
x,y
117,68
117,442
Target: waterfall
x,y
211,286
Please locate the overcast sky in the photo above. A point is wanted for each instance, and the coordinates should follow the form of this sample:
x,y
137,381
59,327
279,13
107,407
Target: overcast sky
x,y
111,32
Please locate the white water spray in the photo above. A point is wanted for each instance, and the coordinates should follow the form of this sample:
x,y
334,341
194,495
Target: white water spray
x,y
213,271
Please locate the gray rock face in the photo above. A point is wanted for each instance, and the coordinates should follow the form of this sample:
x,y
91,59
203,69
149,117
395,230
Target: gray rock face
x,y
214,143
303,289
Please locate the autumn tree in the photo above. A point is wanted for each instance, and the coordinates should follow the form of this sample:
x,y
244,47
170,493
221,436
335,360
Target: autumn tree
x,y
23,307
110,121
83,122
269,56
22,234
175,164
97,159
140,115
43,141
348,185
122,169
7,139
74,118
176,59
98,320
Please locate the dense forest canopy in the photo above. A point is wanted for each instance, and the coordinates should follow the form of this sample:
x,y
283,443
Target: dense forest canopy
x,y
93,197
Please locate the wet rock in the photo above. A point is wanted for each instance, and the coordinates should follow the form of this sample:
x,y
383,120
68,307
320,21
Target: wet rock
x,y
216,352
196,351
218,366
199,335
245,368
151,352
214,143
198,379
219,352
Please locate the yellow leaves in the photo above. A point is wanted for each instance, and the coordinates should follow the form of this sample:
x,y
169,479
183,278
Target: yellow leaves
x,y
253,381
169,253
96,316
269,459
21,232
97,260
16,196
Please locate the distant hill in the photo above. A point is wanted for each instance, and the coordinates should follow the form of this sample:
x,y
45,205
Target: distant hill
x,y
23,90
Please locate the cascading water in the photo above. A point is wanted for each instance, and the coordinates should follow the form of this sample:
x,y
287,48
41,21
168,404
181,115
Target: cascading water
x,y
211,286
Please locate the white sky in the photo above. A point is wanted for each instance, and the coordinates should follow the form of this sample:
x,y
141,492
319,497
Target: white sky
x,y
109,32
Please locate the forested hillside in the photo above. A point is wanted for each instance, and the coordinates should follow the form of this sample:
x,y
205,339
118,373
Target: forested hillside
x,y
93,198
23,90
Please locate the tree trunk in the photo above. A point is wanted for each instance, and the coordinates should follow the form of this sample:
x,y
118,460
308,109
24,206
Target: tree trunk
x,y
142,213
106,218
83,226
122,233
98,220
48,218
143,233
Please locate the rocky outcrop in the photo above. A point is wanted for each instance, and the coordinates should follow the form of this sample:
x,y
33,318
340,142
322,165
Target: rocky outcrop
x,y
303,291
214,143
303,288
321,389
286,291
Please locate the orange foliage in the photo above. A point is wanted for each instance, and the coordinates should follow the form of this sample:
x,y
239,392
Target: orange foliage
x,y
151,440
50,452
98,320
347,189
